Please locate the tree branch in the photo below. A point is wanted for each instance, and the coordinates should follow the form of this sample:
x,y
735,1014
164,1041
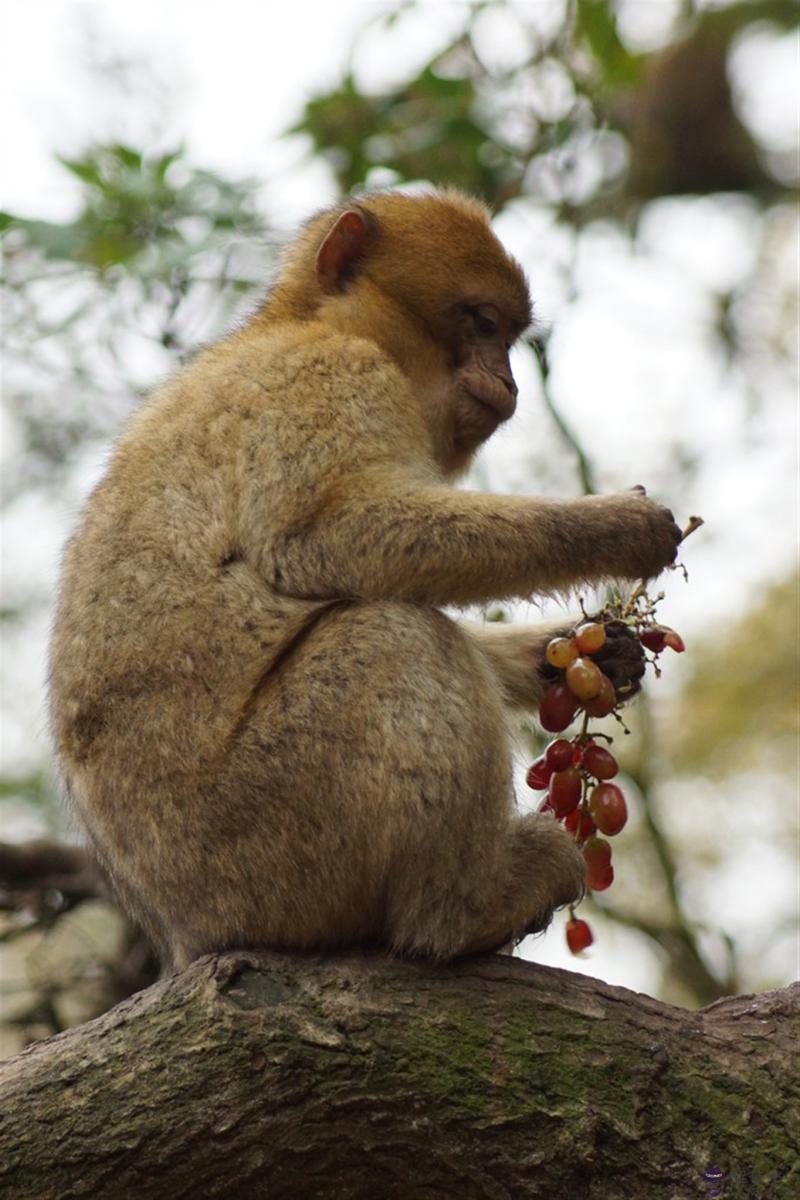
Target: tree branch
x,y
41,866
582,464
257,1075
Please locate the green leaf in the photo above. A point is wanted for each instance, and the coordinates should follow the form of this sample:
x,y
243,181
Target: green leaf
x,y
128,157
85,169
53,240
598,25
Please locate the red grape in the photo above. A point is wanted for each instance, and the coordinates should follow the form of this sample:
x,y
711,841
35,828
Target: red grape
x,y
599,871
579,823
565,791
605,700
674,641
599,762
590,637
600,880
538,775
597,854
557,708
653,639
607,808
579,935
558,754
597,851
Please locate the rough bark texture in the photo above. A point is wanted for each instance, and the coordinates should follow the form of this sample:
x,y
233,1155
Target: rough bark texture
x,y
261,1075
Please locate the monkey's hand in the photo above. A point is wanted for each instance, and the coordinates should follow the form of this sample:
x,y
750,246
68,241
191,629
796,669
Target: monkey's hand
x,y
636,537
621,658
517,654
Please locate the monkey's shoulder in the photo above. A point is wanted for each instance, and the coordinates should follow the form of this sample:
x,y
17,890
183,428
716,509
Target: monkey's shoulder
x,y
302,395
300,357
294,372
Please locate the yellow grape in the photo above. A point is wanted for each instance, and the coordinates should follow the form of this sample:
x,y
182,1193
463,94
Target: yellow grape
x,y
561,652
584,678
590,637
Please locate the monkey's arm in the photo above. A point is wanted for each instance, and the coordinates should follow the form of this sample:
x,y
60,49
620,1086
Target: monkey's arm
x,y
341,496
434,545
516,653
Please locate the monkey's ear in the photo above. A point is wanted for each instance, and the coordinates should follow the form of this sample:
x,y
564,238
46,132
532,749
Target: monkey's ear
x,y
338,256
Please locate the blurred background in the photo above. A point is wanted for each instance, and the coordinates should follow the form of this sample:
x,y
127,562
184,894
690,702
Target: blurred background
x,y
641,158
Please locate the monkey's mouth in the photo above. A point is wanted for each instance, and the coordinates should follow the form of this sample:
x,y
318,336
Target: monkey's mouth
x,y
500,406
489,393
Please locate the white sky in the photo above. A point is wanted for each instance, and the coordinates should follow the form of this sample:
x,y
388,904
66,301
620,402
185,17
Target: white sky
x,y
242,70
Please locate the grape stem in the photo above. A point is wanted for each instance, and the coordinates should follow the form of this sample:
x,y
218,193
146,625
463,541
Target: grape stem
x,y
639,590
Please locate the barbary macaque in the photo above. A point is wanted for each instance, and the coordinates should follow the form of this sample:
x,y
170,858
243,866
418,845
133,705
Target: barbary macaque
x,y
268,729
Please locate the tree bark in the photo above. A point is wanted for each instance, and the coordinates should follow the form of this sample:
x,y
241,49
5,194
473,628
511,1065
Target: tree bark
x,y
257,1075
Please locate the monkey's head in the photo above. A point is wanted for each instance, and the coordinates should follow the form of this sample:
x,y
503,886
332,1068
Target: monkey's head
x,y
425,277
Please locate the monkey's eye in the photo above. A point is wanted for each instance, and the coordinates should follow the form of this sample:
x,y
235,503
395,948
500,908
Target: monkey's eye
x,y
486,322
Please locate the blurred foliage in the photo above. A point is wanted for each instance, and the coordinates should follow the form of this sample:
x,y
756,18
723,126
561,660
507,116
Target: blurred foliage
x,y
592,126
739,706
424,131
154,260
35,789
150,215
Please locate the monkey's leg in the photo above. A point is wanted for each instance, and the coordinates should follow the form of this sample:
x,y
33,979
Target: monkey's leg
x,y
537,868
544,871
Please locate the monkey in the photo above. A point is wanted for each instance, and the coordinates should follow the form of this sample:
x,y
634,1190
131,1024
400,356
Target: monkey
x,y
269,729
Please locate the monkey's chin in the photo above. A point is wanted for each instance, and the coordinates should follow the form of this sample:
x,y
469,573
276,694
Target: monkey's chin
x,y
476,420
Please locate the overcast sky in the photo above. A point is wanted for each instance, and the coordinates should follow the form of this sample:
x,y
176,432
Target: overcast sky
x,y
241,69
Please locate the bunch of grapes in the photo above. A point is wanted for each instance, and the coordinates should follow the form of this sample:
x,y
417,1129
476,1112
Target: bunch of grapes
x,y
576,772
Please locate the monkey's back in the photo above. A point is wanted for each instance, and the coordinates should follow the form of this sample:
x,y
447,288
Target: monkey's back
x,y
163,629
155,606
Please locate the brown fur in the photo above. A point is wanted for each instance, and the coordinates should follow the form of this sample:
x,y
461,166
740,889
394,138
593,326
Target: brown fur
x,y
269,731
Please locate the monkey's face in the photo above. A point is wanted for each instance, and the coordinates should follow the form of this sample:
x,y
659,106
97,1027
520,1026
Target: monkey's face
x,y
485,391
426,278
